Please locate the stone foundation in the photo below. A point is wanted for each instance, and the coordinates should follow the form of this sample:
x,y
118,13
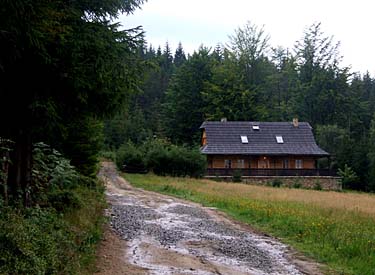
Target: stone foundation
x,y
318,183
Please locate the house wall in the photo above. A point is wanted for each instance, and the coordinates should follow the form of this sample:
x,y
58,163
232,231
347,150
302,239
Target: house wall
x,y
219,161
254,162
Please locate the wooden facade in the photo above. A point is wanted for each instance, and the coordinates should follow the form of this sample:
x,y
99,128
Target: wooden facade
x,y
261,162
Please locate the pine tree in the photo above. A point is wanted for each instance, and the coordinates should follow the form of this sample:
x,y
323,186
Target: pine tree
x,y
183,107
179,56
323,96
61,60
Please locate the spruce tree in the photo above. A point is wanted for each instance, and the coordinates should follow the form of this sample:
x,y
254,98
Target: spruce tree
x,y
179,56
61,60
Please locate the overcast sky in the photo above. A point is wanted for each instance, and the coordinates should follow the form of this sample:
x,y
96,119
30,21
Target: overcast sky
x,y
209,22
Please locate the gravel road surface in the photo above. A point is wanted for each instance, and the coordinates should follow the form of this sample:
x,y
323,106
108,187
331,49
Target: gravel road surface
x,y
165,235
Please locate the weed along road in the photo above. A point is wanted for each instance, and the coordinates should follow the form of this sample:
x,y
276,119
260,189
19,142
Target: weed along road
x,y
159,234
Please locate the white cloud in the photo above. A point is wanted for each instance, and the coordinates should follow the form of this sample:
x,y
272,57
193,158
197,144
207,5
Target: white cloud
x,y
194,22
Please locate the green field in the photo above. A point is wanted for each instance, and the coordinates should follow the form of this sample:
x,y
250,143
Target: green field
x,y
337,229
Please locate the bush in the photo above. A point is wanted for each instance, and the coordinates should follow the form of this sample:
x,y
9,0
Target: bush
x,y
176,161
349,178
158,157
163,158
128,154
237,176
62,224
297,183
276,183
52,173
317,185
64,200
42,240
108,155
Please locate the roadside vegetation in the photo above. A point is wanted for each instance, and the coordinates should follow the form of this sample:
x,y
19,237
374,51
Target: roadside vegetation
x,y
65,66
335,228
58,232
161,157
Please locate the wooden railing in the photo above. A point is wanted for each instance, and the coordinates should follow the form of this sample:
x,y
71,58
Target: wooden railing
x,y
271,172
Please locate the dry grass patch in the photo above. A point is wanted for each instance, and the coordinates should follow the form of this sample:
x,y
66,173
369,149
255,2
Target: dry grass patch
x,y
358,202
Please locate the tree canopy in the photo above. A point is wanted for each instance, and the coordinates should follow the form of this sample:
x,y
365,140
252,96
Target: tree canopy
x,y
249,79
62,62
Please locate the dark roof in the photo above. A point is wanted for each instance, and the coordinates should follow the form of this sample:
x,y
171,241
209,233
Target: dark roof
x,y
224,138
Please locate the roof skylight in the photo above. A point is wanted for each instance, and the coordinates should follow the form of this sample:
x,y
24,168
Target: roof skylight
x,y
255,127
279,139
244,139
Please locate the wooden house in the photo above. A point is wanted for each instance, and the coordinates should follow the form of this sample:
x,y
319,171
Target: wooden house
x,y
261,149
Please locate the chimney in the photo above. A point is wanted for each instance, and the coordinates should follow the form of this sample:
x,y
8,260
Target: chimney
x,y
224,119
295,122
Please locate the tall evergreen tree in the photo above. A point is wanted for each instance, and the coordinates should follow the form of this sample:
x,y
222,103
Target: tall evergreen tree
x,y
323,82
62,60
179,56
183,107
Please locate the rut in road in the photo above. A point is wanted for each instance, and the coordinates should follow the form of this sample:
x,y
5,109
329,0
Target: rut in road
x,y
166,235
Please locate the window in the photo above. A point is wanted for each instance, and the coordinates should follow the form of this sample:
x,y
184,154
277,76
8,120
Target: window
x,y
244,139
286,163
227,163
298,163
240,163
256,127
279,139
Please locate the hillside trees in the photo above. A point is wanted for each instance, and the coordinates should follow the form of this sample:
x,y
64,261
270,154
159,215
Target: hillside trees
x,y
323,82
249,80
281,86
63,61
142,117
371,156
249,46
225,94
183,106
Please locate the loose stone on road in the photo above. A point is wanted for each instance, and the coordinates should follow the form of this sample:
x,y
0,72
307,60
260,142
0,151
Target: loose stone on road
x,y
165,235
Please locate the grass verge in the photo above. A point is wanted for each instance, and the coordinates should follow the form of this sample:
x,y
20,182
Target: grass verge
x,y
337,229
45,241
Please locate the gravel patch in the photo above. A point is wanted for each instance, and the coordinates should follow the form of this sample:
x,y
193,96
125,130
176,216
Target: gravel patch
x,y
168,236
129,220
174,224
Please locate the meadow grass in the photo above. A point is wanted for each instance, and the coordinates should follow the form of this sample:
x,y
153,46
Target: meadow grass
x,y
334,228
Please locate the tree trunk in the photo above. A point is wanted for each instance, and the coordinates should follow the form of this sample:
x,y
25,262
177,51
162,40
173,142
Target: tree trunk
x,y
19,180
5,171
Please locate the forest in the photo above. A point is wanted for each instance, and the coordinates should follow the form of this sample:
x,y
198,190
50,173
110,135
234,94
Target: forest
x,y
250,80
75,86
64,67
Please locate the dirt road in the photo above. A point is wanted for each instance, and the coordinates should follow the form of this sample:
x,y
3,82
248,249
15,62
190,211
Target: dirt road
x,y
156,234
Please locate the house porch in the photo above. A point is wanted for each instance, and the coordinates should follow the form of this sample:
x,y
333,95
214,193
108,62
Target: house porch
x,y
273,166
